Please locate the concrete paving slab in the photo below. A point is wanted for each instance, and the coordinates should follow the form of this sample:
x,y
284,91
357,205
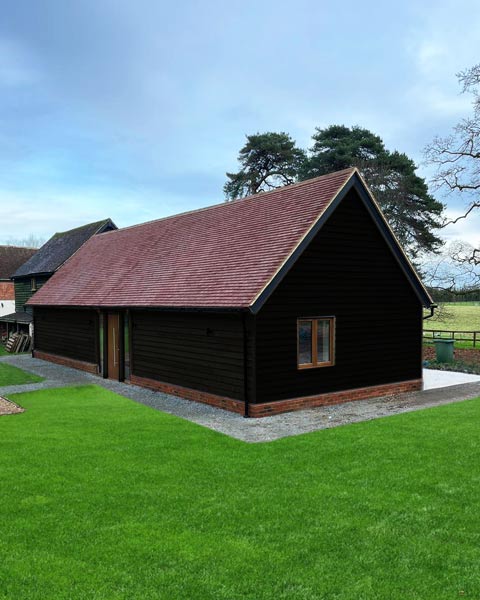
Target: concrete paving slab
x,y
433,379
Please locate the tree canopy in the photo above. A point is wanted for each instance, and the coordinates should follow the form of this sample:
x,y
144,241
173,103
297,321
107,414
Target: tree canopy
x,y
268,160
411,211
339,147
271,160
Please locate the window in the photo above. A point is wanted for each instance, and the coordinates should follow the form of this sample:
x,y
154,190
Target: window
x,y
33,283
315,339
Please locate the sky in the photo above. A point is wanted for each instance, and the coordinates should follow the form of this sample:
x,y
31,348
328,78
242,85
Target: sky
x,y
135,110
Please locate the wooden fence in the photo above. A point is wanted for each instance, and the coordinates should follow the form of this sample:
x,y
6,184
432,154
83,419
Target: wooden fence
x,y
472,336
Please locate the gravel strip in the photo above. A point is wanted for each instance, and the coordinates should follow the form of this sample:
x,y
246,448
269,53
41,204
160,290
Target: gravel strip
x,y
233,425
9,408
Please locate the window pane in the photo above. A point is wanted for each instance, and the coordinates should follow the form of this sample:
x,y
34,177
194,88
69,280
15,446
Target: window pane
x,y
304,342
323,341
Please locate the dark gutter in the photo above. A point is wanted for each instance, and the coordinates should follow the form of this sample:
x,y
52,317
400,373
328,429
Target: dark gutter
x,y
432,311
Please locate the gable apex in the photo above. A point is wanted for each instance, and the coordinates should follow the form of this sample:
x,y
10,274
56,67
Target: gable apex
x,y
356,182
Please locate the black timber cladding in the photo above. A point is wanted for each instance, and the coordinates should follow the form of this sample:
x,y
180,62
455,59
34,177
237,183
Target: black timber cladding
x,y
23,290
203,351
348,271
356,183
71,333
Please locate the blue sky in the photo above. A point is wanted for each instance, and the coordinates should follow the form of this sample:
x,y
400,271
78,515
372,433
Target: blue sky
x,y
135,110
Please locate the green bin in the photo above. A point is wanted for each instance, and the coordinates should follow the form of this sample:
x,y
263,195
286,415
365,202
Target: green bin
x,y
444,349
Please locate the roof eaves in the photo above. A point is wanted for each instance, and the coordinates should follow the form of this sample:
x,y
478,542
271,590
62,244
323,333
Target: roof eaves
x,y
31,274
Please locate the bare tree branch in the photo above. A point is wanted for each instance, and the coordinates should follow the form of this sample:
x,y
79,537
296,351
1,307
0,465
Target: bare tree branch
x,y
464,216
457,158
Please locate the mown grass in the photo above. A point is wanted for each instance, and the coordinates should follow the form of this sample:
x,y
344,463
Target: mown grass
x,y
10,375
460,316
466,303
106,498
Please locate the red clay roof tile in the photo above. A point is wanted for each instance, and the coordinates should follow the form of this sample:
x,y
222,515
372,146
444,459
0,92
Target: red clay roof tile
x,y
220,256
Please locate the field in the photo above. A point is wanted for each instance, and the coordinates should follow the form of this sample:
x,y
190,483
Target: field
x,y
105,498
460,316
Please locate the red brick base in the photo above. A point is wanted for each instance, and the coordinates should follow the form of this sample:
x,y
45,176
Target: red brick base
x,y
230,404
67,362
263,409
281,406
266,409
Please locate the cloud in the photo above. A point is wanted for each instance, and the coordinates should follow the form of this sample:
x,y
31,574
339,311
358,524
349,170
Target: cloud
x,y
136,110
440,45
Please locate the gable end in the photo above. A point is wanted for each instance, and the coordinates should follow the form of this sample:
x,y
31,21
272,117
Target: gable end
x,y
357,183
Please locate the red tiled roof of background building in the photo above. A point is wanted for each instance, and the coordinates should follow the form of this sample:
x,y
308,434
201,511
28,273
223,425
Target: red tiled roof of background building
x,y
12,257
220,256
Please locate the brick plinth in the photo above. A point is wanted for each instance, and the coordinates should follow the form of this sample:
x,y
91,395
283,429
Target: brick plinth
x,y
67,362
264,409
230,404
280,406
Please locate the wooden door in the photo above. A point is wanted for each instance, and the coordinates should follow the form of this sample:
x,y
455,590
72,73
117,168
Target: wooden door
x,y
113,346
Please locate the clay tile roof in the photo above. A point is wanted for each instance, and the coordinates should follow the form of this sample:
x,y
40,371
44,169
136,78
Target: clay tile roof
x,y
221,256
12,257
60,247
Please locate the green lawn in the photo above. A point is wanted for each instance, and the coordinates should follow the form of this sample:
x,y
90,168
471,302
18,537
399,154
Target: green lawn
x,y
3,352
103,498
13,376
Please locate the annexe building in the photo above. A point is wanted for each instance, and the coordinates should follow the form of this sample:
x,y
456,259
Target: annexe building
x,y
275,302
30,274
11,257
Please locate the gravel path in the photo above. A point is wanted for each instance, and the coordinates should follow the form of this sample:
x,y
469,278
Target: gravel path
x,y
231,424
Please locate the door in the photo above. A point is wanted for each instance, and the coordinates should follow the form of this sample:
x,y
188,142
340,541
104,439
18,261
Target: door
x,y
113,346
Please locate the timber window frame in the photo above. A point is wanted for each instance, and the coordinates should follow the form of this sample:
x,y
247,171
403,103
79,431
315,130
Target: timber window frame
x,y
316,362
33,284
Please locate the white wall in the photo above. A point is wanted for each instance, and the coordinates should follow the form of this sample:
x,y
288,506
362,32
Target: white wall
x,y
6,307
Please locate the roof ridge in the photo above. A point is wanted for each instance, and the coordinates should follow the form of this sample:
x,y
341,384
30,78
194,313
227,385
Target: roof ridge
x,y
101,221
231,202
